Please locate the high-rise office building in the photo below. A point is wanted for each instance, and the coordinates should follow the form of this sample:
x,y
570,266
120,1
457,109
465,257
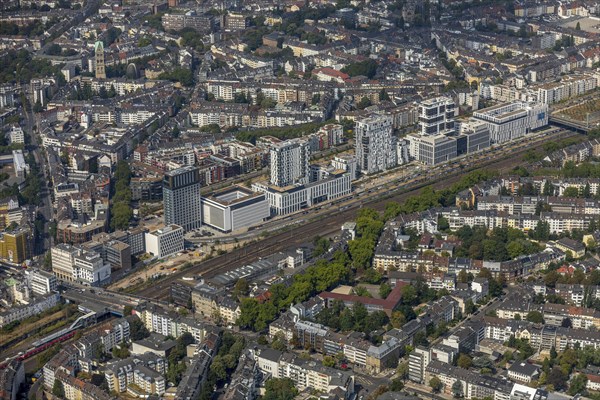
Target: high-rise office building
x,y
375,145
181,198
99,57
290,163
436,141
436,116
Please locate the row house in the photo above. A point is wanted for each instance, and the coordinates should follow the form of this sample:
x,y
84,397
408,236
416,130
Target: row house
x,y
305,374
473,385
209,304
576,294
541,337
580,317
144,370
168,323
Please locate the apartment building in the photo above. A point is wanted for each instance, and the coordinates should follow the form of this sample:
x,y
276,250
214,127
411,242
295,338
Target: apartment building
x,y
144,370
568,87
375,149
17,313
305,374
290,163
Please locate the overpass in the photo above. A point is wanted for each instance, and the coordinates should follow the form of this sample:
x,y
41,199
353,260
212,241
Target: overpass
x,y
569,124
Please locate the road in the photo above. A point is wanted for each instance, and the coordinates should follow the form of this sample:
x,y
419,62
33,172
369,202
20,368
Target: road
x,y
45,208
331,220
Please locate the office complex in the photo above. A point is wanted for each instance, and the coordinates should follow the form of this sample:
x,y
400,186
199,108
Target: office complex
x,y
181,197
433,149
436,116
75,264
337,184
375,147
290,163
165,241
41,282
513,120
234,208
441,138
474,136
14,245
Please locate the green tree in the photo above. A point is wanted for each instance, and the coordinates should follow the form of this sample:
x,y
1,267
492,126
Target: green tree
x,y
346,320
328,361
535,317
402,370
457,389
249,308
241,288
578,383
515,248
364,103
120,351
557,378
179,74
218,369
384,290
464,361
54,50
366,68
470,307
280,389
436,384
121,215
409,295
462,276
578,26
58,389
383,96
396,385
571,191
144,41
137,329
541,231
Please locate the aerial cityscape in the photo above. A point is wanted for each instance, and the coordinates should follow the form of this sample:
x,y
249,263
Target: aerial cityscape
x,y
310,200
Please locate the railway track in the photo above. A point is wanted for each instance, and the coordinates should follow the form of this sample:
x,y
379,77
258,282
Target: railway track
x,y
328,224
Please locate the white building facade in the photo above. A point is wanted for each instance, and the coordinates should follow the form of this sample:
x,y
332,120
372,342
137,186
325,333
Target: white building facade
x,y
165,242
375,150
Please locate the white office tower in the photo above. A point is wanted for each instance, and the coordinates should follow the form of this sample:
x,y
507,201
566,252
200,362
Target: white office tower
x,y
290,163
181,198
436,116
375,146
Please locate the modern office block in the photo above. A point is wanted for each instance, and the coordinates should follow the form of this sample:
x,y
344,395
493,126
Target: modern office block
x,y
181,198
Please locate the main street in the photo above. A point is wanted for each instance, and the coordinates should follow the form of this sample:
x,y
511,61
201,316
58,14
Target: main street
x,y
45,206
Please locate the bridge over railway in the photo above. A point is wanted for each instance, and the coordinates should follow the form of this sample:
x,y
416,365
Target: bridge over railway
x,y
570,124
